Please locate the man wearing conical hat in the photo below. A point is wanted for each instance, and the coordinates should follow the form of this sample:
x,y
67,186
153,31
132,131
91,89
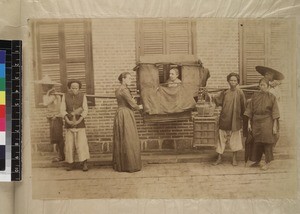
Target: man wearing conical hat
x,y
53,103
274,77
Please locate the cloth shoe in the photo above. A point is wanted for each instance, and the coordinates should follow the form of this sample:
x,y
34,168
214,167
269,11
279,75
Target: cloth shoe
x,y
85,167
265,167
71,166
218,161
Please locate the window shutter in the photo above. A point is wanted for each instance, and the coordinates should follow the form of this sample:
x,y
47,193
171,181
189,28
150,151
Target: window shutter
x,y
151,37
279,46
63,51
75,52
178,35
48,44
270,42
266,43
164,37
252,36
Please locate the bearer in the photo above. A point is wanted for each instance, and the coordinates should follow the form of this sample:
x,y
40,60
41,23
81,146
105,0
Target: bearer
x,y
53,102
230,123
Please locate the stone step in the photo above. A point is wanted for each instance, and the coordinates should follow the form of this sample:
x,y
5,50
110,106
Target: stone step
x,y
45,160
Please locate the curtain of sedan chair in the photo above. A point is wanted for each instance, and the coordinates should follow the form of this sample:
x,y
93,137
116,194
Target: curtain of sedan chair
x,y
191,79
161,99
149,83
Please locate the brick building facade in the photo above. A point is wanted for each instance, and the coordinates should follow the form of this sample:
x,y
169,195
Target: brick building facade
x,y
114,51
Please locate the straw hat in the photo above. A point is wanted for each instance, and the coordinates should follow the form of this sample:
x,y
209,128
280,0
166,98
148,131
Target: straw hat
x,y
46,80
263,70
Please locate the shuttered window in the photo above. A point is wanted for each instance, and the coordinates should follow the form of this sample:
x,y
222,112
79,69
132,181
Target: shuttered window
x,y
63,51
253,50
267,43
165,37
271,43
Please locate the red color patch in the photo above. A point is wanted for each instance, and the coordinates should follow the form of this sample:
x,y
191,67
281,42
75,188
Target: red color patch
x,y
2,111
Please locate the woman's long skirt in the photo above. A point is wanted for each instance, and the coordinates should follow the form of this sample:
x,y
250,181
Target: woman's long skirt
x,y
126,144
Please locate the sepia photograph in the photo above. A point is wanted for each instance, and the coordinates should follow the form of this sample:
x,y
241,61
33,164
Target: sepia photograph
x,y
157,108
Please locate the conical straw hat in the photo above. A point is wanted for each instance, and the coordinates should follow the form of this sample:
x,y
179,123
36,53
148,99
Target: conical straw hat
x,y
46,81
263,70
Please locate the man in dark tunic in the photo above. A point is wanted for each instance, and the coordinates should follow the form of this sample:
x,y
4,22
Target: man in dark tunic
x,y
274,78
263,114
74,109
230,122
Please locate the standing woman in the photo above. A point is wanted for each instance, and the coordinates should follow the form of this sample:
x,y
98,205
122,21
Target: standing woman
x,y
263,115
126,143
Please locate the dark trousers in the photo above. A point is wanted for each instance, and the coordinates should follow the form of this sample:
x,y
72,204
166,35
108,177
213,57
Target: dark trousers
x,y
56,134
259,149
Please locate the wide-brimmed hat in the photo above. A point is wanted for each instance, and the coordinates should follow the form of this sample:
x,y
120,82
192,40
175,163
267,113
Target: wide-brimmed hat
x,y
263,70
46,80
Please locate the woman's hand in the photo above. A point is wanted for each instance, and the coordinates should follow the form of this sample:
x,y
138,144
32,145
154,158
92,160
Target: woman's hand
x,y
141,107
274,129
249,126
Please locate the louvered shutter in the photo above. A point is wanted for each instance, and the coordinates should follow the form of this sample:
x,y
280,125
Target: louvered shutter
x,y
75,52
270,42
267,43
49,53
178,36
252,36
164,37
279,49
152,37
152,41
64,52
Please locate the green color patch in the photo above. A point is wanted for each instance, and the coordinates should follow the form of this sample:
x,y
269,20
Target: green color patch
x,y
2,84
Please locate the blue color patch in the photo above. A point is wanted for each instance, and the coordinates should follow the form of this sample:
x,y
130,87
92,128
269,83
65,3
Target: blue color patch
x,y
2,56
2,70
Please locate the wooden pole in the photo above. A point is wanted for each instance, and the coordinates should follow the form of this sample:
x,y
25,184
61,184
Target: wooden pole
x,y
244,87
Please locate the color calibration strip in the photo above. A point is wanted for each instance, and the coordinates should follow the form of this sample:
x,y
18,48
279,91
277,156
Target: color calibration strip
x,y
2,110
13,105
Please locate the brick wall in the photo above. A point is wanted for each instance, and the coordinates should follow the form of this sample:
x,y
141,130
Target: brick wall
x,y
218,48
113,53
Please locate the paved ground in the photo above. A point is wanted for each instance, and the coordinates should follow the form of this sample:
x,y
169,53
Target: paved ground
x,y
168,180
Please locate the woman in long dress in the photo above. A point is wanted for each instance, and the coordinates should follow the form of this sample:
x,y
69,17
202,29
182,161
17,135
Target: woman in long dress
x,y
126,144
263,114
